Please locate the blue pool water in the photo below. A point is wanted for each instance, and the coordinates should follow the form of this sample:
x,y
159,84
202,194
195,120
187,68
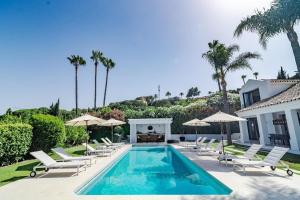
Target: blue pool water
x,y
159,170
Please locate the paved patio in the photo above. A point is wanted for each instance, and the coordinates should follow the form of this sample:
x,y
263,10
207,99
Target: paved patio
x,y
256,185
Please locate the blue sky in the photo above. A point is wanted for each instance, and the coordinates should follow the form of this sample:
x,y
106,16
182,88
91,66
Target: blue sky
x,y
153,42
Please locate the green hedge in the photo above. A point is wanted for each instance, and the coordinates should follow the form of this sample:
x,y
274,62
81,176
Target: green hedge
x,y
75,135
10,119
15,140
48,131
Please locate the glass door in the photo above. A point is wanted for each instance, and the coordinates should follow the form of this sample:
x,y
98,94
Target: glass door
x,y
253,128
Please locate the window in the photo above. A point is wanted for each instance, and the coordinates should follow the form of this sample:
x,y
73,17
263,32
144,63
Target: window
x,y
251,97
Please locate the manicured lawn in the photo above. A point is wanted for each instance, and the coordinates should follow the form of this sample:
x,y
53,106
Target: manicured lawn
x,y
22,169
291,159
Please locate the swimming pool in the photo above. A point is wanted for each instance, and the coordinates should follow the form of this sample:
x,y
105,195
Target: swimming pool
x,y
154,170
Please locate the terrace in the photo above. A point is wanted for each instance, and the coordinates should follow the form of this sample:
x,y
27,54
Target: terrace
x,y
257,185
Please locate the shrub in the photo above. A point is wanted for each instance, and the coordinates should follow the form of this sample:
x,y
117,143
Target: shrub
x,y
129,104
119,130
26,114
133,114
162,112
10,119
149,112
48,131
75,135
116,114
162,103
15,140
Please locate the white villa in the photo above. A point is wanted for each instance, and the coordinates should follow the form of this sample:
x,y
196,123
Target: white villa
x,y
272,110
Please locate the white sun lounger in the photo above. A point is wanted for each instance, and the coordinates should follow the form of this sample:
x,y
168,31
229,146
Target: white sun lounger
x,y
185,144
98,145
110,142
211,151
48,163
104,151
66,157
273,159
209,144
248,155
251,152
198,145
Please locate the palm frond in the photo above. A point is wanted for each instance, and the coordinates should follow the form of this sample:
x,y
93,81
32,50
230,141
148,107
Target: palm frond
x,y
242,61
216,76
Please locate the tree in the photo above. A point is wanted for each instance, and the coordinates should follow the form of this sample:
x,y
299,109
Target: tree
x,y
226,63
155,97
282,74
168,94
210,57
193,92
108,64
54,109
181,94
243,77
256,75
96,57
282,16
76,61
8,111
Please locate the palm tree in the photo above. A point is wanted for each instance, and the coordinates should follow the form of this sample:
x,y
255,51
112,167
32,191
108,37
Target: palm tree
x,y
223,59
243,77
168,94
212,60
181,94
108,64
76,61
256,75
96,57
280,18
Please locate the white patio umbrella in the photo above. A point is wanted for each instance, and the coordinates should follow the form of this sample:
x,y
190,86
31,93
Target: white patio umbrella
x,y
221,118
85,120
196,123
112,122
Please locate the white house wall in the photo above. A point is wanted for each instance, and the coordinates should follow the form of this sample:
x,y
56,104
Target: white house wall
x,y
266,88
289,109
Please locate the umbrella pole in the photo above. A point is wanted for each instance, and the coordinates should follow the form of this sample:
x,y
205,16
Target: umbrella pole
x,y
112,134
196,137
86,140
222,136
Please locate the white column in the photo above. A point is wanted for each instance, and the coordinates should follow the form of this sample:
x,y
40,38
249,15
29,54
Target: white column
x,y
132,133
269,123
168,132
263,131
244,132
294,129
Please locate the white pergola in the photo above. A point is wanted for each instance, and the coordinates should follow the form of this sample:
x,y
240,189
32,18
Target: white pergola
x,y
160,125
